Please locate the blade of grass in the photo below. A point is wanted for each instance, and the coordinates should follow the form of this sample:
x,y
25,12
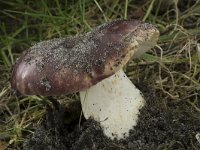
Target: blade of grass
x,y
126,9
180,35
82,8
104,16
148,10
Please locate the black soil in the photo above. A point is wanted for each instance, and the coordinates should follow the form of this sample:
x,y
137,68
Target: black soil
x,y
159,127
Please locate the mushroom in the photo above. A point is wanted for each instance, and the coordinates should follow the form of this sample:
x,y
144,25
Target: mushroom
x,y
92,65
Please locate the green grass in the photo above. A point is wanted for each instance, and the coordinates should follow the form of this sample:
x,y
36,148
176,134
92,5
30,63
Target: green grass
x,y
172,67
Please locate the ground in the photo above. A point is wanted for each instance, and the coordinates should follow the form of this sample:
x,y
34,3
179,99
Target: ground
x,y
158,128
168,75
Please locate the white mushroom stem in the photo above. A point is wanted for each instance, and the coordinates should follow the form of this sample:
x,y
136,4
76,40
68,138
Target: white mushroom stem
x,y
114,103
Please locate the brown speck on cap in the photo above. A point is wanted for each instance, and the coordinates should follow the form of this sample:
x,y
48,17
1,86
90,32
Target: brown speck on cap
x,y
68,65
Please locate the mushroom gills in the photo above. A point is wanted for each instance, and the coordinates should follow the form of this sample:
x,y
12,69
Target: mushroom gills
x,y
115,103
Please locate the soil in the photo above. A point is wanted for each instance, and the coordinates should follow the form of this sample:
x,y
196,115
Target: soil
x,y
159,127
